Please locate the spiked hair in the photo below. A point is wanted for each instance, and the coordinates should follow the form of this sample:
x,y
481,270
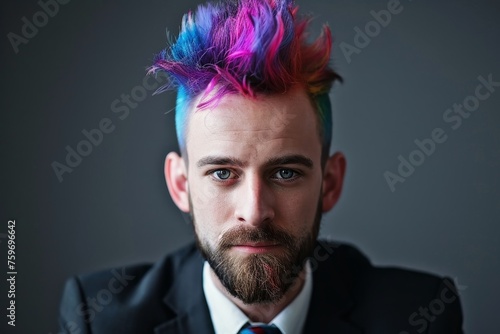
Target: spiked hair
x,y
247,47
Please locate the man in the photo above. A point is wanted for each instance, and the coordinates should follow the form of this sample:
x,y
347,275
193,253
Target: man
x,y
253,120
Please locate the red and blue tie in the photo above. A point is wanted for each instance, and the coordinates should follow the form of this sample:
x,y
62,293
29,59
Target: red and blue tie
x,y
260,329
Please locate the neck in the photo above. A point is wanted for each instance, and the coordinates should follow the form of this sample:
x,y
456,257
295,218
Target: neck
x,y
263,312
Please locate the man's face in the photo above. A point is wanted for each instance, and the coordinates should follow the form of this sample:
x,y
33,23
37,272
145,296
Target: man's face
x,y
254,182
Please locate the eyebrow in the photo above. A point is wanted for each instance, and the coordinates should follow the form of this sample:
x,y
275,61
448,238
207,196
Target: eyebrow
x,y
283,160
219,160
294,159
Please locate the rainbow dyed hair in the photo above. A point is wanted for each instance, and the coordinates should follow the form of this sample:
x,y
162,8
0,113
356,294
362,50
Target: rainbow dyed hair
x,y
247,47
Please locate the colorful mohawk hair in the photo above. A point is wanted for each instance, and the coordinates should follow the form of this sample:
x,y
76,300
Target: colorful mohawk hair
x,y
247,47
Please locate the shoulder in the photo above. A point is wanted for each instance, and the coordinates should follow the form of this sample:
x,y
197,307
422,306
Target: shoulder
x,y
122,293
388,295
131,278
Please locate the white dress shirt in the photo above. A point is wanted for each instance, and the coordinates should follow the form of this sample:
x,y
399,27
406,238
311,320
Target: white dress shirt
x,y
227,318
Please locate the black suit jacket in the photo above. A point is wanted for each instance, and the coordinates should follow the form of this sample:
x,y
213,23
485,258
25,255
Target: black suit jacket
x,y
350,296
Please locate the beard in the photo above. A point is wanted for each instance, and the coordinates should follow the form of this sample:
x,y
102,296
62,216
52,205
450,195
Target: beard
x,y
259,278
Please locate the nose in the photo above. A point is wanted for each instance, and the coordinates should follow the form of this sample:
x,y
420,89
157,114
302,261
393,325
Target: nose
x,y
254,202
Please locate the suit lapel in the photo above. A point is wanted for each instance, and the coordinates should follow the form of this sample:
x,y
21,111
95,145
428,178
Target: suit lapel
x,y
331,300
186,299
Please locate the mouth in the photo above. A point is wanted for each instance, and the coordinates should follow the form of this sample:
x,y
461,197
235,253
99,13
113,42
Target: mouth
x,y
256,247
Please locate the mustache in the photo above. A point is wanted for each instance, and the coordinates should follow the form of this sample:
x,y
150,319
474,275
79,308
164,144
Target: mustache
x,y
244,234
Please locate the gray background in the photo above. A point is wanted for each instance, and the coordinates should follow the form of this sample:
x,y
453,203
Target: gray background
x,y
114,208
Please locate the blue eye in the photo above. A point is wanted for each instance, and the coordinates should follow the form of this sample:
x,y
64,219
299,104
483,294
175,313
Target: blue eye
x,y
222,174
285,174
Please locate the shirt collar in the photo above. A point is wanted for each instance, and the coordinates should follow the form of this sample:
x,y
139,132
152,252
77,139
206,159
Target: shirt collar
x,y
228,318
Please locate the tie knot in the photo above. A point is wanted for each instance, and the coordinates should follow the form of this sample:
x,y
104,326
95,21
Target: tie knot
x,y
260,329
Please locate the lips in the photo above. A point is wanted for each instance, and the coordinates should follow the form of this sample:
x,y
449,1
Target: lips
x,y
258,247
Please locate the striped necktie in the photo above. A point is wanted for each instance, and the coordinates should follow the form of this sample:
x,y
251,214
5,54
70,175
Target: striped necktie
x,y
260,329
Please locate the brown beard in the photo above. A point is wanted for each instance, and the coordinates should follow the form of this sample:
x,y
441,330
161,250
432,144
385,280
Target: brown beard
x,y
259,278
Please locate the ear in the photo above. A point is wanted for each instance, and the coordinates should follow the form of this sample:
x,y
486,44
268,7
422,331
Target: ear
x,y
333,178
177,182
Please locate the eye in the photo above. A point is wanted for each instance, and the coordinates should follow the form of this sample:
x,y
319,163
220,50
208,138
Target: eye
x,y
222,174
285,174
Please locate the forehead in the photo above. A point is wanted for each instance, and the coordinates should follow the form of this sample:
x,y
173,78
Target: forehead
x,y
266,124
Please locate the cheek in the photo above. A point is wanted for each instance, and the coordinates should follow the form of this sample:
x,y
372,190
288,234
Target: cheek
x,y
210,210
298,210
209,205
302,204
203,194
